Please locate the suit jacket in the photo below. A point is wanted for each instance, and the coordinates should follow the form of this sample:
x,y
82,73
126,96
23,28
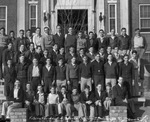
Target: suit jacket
x,y
9,74
101,97
119,93
30,71
20,96
83,98
61,97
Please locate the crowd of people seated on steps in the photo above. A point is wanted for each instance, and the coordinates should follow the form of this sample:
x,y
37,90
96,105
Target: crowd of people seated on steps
x,y
55,75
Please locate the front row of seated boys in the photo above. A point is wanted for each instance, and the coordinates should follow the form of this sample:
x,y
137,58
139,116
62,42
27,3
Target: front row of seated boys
x,y
62,104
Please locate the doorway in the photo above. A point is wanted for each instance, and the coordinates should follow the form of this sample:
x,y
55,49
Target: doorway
x,y
77,18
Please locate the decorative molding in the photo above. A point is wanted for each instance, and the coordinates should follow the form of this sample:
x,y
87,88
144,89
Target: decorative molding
x,y
111,1
33,2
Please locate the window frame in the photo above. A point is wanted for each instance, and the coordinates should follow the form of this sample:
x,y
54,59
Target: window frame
x,y
142,18
33,4
109,18
5,18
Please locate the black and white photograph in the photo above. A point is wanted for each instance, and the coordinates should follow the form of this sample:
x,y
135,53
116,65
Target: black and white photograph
x,y
74,60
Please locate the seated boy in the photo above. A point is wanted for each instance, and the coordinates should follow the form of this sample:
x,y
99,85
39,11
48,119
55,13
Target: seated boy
x,y
64,103
76,104
39,102
51,108
87,99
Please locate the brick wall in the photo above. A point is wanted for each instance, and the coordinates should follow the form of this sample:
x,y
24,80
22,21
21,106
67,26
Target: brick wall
x,y
118,113
11,16
19,115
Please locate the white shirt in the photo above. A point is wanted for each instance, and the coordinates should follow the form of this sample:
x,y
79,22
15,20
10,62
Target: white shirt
x,y
16,93
138,42
41,97
35,71
48,67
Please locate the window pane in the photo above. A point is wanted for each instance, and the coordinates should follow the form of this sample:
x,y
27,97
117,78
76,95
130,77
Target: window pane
x,y
33,11
33,23
112,10
145,23
2,23
2,13
112,24
145,11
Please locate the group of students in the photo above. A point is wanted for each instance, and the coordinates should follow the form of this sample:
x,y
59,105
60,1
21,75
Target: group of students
x,y
52,73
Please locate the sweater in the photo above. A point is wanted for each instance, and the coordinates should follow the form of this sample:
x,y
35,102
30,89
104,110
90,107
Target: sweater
x,y
72,71
111,71
70,40
52,98
61,73
85,70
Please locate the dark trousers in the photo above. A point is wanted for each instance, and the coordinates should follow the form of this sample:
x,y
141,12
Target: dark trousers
x,y
47,84
99,79
23,82
8,86
99,111
39,109
128,85
34,83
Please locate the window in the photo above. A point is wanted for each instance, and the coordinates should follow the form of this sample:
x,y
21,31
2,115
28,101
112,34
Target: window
x,y
33,23
144,17
112,17
3,17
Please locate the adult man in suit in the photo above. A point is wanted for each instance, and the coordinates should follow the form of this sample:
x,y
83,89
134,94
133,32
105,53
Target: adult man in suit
x,y
14,100
59,38
34,74
120,95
